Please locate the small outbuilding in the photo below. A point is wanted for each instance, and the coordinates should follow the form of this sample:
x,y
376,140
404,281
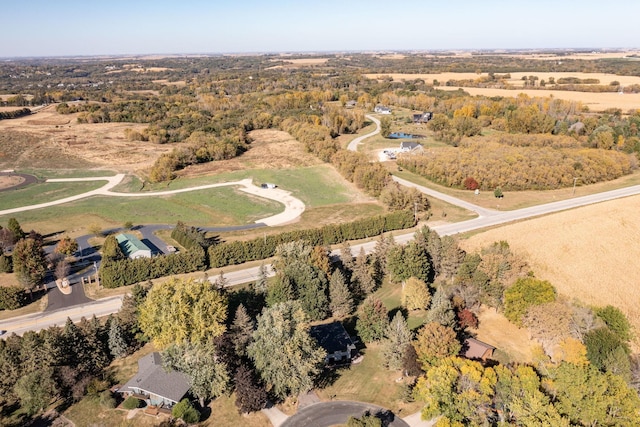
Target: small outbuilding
x,y
381,109
334,338
477,350
423,117
133,247
406,146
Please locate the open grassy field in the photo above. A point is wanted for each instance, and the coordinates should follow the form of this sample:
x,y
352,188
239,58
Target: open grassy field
x,y
213,207
45,192
590,253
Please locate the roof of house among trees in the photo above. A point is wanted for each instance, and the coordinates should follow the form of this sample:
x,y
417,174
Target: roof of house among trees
x,y
476,349
332,337
153,378
131,244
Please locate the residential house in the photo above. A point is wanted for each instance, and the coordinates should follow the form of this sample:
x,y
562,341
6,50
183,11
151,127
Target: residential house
x,y
132,247
423,117
350,104
406,146
154,384
477,350
335,340
381,109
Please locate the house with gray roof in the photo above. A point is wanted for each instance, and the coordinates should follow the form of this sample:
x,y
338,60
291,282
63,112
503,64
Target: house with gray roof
x,y
132,247
335,340
154,384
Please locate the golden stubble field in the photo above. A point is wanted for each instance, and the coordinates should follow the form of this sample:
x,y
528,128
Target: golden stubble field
x,y
54,141
595,101
590,253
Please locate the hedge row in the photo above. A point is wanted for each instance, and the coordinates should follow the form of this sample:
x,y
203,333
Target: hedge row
x,y
264,247
14,114
188,237
114,274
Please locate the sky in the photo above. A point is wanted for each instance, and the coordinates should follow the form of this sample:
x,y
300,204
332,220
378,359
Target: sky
x,y
123,27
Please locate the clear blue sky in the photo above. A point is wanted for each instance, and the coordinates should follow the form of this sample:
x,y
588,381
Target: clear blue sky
x,y
95,27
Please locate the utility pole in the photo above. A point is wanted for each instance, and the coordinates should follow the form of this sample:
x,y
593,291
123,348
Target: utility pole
x,y
415,211
574,186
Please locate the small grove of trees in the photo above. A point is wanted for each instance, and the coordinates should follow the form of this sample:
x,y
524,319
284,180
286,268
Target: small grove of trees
x,y
526,292
494,164
189,237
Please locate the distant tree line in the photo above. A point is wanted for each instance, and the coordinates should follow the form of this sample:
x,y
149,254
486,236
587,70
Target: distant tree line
x,y
14,114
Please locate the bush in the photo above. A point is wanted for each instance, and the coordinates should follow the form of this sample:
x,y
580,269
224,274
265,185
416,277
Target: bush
x,y
186,412
132,403
471,184
107,400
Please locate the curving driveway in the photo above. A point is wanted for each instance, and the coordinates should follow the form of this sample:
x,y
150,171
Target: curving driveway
x,y
293,207
326,414
353,145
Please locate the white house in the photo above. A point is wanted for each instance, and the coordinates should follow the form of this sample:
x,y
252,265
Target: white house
x,y
381,109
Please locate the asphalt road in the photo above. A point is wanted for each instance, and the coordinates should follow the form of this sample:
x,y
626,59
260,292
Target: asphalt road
x,y
328,414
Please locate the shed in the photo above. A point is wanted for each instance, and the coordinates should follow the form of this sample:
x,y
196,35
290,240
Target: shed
x,y
132,247
477,350
406,146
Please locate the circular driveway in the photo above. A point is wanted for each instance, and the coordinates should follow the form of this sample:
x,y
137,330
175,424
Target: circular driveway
x,y
328,414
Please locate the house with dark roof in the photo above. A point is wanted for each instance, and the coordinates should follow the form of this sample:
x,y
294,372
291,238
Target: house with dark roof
x,y
154,384
132,247
477,350
336,342
422,117
406,146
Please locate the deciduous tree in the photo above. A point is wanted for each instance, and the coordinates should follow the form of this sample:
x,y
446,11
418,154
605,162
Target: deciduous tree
x,y
183,310
415,294
251,396
526,292
435,341
285,355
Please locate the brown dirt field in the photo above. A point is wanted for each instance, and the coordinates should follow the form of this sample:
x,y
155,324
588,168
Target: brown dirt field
x,y
55,141
10,181
11,95
589,253
271,149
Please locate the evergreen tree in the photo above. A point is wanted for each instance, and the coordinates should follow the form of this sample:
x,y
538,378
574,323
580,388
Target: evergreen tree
x,y
441,310
14,226
347,261
117,342
372,319
29,263
396,341
341,302
280,290
260,285
362,278
242,330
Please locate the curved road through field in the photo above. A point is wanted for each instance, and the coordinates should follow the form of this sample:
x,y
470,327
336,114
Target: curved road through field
x,y
293,206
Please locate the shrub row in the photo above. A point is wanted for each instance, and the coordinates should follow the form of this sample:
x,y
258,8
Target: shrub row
x,y
14,114
114,274
188,237
231,253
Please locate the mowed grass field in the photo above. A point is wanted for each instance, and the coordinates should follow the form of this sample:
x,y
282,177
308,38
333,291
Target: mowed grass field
x,y
590,253
45,192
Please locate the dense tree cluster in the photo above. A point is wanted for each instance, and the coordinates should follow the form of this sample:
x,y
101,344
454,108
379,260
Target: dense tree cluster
x,y
14,114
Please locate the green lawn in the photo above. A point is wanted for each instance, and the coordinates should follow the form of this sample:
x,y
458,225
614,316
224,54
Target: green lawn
x,y
45,192
213,207
67,173
315,186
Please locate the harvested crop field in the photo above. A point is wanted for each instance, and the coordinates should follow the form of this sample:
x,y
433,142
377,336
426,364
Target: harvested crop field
x,y
55,141
588,253
595,101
